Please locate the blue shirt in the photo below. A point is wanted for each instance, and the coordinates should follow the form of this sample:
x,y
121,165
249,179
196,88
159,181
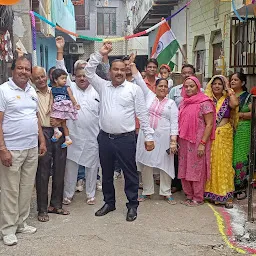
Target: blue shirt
x,y
175,94
60,93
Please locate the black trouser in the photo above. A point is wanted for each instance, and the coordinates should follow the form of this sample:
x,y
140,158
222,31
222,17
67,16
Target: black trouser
x,y
56,155
123,149
176,183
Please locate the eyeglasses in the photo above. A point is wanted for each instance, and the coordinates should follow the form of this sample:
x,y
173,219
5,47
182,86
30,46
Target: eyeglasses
x,y
152,67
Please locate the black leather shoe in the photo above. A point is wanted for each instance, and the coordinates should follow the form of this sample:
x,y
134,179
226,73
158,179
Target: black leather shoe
x,y
105,209
131,214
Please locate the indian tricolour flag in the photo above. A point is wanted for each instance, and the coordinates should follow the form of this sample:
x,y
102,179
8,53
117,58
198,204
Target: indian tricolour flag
x,y
165,46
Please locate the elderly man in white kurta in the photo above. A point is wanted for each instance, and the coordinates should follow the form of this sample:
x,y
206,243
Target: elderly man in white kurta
x,y
83,132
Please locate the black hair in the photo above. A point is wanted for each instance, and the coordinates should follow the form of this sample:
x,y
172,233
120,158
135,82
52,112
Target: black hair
x,y
126,58
50,70
114,61
189,66
152,60
243,78
222,81
57,73
161,79
24,57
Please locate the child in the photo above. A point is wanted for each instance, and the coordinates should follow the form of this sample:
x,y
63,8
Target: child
x,y
143,74
63,105
165,72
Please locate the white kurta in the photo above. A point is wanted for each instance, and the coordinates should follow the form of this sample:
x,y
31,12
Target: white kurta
x,y
167,126
84,131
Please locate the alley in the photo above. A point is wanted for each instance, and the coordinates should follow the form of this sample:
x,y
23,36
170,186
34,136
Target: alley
x,y
161,229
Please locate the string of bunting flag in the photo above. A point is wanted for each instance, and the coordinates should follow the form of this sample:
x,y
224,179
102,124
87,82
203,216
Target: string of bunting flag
x,y
97,39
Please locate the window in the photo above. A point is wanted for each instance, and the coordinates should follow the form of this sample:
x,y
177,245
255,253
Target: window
x,y
243,45
46,57
218,64
200,61
41,55
199,51
106,21
82,16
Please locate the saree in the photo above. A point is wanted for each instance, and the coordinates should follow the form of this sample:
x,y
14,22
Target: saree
x,y
242,145
220,187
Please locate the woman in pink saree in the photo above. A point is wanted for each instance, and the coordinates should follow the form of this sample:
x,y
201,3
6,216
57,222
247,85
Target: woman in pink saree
x,y
196,131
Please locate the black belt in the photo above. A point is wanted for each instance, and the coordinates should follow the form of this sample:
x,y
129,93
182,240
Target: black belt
x,y
117,135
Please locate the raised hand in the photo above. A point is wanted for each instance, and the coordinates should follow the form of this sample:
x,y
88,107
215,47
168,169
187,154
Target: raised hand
x,y
19,52
60,42
106,48
133,68
133,57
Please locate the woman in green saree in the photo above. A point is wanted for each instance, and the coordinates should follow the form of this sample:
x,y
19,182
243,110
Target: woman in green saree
x,y
242,135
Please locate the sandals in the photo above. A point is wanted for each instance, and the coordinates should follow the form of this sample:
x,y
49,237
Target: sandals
x,y
67,201
143,198
43,217
195,203
90,201
60,211
243,195
170,200
56,136
186,202
229,205
66,144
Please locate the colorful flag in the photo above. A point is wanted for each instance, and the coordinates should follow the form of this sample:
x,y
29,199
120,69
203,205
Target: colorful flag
x,y
165,46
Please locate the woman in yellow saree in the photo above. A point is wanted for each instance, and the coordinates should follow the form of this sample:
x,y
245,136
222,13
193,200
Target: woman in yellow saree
x,y
220,188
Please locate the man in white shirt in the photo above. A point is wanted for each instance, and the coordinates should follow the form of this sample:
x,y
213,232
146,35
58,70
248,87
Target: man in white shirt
x,y
120,101
19,131
84,150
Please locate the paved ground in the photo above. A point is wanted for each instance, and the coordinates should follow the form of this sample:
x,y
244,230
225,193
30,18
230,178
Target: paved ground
x,y
161,230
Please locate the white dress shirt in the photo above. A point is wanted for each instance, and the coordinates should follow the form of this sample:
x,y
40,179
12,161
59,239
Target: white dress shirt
x,y
118,105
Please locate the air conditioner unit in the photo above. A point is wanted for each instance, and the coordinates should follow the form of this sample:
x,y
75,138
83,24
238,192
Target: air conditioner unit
x,y
76,48
248,59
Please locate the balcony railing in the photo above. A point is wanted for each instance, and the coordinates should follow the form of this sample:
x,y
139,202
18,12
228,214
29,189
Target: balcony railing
x,y
83,22
243,45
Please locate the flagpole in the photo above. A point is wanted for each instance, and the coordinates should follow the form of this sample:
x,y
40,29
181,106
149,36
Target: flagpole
x,y
182,52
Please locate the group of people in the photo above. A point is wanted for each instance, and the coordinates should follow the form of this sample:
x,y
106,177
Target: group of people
x,y
193,139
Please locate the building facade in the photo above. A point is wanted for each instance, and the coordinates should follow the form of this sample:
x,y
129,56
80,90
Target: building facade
x,y
210,35
104,19
6,37
60,13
